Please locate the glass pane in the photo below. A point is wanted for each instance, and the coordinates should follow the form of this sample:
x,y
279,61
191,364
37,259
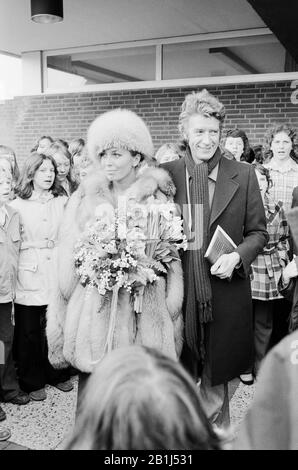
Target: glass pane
x,y
197,59
111,66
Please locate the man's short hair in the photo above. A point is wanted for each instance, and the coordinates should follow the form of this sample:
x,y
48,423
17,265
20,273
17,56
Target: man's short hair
x,y
201,102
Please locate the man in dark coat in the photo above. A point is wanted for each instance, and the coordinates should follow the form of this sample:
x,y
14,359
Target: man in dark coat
x,y
212,190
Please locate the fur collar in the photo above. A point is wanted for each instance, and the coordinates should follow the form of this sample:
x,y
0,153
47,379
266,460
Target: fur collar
x,y
149,182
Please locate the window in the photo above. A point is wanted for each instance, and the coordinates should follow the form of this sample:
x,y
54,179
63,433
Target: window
x,y
132,64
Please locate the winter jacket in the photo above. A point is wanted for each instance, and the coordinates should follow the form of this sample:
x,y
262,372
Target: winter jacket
x,y
40,221
77,324
9,255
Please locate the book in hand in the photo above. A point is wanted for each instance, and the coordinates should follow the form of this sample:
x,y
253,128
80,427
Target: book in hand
x,y
220,244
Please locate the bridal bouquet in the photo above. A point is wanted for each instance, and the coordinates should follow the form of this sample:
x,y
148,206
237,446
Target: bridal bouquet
x,y
128,247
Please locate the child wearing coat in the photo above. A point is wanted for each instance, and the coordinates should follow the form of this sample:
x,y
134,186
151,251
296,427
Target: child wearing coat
x,y
266,271
9,254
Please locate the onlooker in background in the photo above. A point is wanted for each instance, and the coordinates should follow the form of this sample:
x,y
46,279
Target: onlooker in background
x,y
167,153
84,165
237,143
139,399
40,204
278,154
76,148
266,271
9,255
64,164
8,154
42,144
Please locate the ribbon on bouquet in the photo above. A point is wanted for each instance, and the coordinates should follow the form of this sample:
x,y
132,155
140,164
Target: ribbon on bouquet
x,y
112,323
138,299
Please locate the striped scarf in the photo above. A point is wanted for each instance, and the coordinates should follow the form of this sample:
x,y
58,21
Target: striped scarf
x,y
198,287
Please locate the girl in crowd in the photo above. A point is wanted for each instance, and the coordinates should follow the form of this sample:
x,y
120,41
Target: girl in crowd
x,y
139,399
9,255
64,165
76,149
78,324
84,165
8,154
43,143
237,143
279,159
266,271
40,205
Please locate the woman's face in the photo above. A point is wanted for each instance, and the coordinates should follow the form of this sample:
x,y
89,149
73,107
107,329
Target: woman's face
x,y
43,145
118,164
263,183
281,146
44,176
63,166
235,145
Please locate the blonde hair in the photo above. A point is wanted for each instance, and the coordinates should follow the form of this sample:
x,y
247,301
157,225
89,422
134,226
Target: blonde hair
x,y
76,147
170,150
137,398
201,102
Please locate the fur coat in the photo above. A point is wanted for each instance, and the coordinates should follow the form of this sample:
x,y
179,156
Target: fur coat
x,y
77,324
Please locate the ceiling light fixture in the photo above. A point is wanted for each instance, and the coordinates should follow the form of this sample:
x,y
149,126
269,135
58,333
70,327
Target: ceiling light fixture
x,y
46,11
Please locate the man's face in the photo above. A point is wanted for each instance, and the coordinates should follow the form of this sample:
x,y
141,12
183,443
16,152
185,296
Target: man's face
x,y
203,135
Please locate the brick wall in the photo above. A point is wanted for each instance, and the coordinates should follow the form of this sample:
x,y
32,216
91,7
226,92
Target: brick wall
x,y
251,107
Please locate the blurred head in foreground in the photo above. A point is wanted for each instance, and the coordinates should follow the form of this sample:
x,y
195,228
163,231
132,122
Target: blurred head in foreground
x,y
138,399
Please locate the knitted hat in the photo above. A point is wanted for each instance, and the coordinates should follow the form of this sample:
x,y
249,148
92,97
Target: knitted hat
x,y
119,128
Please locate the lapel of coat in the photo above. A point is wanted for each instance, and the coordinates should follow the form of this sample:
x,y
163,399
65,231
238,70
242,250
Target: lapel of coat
x,y
225,188
179,176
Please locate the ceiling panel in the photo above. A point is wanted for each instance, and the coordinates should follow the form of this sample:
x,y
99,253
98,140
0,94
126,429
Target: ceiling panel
x,y
90,22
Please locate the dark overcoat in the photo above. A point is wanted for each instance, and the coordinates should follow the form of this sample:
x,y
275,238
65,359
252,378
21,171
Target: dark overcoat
x,y
237,207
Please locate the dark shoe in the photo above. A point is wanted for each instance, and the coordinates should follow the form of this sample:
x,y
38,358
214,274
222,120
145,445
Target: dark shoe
x,y
21,399
2,414
64,386
4,434
38,395
246,379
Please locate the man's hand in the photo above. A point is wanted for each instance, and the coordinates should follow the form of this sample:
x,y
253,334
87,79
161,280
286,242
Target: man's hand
x,y
289,272
224,266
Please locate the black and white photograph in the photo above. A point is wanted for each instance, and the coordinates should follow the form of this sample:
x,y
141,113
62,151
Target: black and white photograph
x,y
148,227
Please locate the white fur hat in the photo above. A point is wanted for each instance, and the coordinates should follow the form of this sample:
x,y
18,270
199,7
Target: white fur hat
x,y
119,128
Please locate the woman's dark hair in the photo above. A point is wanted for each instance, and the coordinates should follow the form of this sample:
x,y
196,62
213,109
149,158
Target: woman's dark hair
x,y
25,187
248,153
263,171
139,399
61,142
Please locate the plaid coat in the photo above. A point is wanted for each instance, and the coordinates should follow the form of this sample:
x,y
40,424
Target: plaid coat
x,y
266,268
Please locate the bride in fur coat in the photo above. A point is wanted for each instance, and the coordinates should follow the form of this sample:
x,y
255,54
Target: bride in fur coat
x,y
119,143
